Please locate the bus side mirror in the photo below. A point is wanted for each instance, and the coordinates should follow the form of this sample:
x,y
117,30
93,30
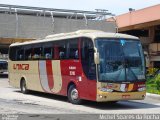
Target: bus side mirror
x,y
96,58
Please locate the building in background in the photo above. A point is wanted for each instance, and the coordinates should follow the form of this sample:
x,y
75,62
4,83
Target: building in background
x,y
145,24
24,23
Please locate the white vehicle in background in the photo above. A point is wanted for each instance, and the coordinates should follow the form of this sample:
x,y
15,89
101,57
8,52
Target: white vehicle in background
x,y
3,66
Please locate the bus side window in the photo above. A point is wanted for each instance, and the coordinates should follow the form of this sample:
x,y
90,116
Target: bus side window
x,y
48,53
73,49
37,54
12,53
61,54
62,50
20,54
28,53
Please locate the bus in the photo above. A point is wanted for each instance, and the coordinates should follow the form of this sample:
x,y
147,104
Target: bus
x,y
3,66
82,65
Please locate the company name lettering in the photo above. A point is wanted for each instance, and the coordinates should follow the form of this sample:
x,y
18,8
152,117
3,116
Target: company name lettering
x,y
21,66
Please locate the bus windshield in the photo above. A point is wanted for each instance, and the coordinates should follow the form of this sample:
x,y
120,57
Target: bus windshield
x,y
121,60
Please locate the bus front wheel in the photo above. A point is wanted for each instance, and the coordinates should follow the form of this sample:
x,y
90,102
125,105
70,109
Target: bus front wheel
x,y
73,95
23,87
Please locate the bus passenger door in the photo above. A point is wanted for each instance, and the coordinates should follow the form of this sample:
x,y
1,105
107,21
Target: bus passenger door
x,y
88,83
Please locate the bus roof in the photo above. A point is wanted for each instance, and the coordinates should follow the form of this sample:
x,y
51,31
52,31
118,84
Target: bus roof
x,y
80,33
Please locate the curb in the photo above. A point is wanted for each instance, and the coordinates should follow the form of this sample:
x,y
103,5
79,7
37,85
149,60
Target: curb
x,y
153,96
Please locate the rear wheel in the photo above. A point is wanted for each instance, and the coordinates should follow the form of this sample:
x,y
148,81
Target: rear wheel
x,y
24,87
73,95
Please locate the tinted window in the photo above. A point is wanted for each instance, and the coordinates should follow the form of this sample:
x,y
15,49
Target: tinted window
x,y
62,50
12,53
73,49
37,53
121,60
20,53
57,50
28,53
48,50
48,53
87,53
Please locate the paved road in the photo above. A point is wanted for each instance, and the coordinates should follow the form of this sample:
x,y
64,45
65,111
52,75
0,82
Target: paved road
x,y
14,102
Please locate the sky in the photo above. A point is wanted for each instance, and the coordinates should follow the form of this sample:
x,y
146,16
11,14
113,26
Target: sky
x,y
116,7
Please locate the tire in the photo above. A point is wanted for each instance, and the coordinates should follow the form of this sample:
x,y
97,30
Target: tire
x,y
23,87
73,95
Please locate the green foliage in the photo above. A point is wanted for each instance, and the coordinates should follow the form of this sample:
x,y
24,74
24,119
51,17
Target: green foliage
x,y
157,81
153,84
152,71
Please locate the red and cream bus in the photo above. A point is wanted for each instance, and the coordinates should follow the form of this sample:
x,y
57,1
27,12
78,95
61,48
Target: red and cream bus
x,y
86,64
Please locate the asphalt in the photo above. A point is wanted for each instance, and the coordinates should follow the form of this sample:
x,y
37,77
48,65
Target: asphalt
x,y
153,96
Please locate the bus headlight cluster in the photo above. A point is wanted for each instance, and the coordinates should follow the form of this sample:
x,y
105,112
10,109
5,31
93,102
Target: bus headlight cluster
x,y
142,89
106,90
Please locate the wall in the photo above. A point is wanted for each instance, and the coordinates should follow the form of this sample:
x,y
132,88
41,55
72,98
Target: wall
x,y
27,26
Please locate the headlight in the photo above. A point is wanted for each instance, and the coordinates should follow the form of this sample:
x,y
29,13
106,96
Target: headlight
x,y
142,89
106,90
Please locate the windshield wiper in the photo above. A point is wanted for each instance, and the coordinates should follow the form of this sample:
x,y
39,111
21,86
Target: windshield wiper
x,y
127,66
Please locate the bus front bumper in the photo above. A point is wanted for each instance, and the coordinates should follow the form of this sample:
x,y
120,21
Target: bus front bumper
x,y
117,96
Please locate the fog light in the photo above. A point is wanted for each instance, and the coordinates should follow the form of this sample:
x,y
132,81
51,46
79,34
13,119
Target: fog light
x,y
100,96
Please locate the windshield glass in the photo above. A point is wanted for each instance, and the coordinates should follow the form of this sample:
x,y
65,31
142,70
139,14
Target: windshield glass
x,y
120,60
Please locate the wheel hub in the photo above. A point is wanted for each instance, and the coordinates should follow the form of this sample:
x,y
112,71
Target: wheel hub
x,y
24,87
74,94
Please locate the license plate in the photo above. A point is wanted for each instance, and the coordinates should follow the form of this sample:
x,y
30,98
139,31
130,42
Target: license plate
x,y
125,96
